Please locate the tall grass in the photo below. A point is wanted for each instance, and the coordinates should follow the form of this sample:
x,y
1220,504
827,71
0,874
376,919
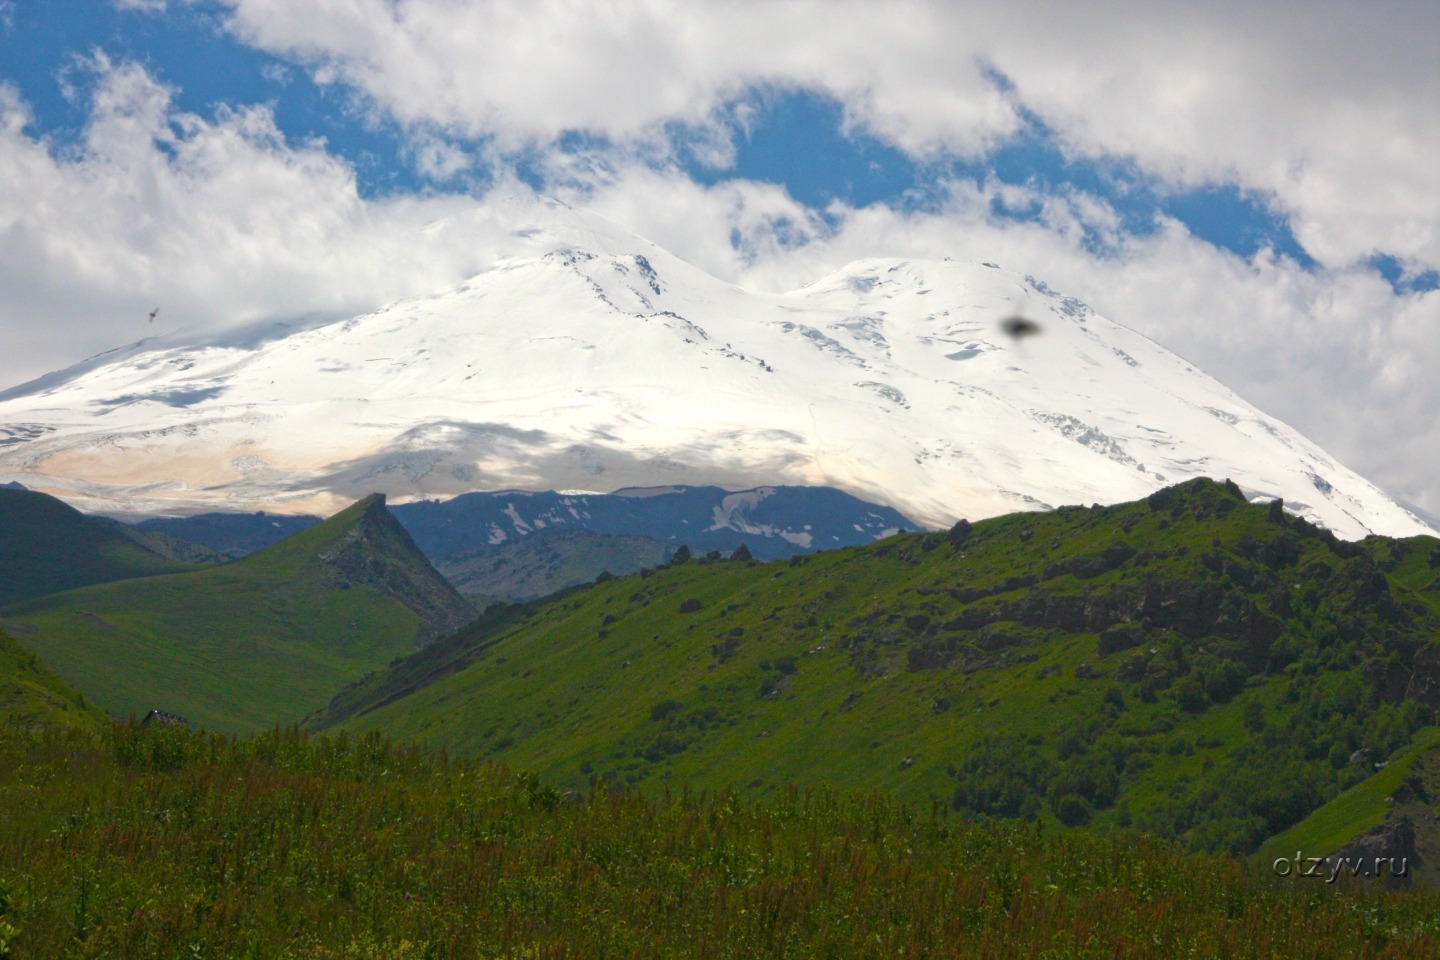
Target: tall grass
x,y
155,844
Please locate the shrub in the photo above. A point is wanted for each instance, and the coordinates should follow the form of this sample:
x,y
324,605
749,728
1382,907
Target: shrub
x,y
1072,810
959,533
1190,695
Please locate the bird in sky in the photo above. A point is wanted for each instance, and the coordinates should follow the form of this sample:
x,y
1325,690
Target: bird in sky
x,y
154,313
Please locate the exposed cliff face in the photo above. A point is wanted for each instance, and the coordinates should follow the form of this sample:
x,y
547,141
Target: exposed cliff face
x,y
1387,853
377,552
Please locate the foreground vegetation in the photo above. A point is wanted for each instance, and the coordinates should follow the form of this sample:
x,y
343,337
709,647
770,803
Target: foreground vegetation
x,y
157,843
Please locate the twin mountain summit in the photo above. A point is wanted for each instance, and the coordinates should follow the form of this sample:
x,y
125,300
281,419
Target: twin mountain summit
x,y
1162,611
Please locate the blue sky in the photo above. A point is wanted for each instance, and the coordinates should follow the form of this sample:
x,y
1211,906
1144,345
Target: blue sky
x,y
1254,188
794,138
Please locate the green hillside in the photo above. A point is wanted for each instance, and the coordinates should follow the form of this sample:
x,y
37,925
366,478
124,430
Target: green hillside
x,y
251,643
1191,665
31,695
47,546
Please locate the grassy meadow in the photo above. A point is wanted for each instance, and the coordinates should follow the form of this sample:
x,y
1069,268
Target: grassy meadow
x,y
158,843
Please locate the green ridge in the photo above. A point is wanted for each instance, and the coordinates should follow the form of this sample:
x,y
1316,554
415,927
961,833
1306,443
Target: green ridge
x,y
249,644
47,546
1191,665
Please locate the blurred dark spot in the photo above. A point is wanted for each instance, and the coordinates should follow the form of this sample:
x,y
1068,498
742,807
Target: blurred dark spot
x,y
1019,327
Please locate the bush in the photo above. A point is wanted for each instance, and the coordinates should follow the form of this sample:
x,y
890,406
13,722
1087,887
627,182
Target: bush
x,y
1115,698
1072,810
1190,695
959,533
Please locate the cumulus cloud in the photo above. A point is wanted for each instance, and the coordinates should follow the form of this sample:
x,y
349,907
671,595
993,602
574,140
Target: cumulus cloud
x,y
1328,108
217,221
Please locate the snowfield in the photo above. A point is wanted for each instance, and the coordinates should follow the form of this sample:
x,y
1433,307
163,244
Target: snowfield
x,y
589,359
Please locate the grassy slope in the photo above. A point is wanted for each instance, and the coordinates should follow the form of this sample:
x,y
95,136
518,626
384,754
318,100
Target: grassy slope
x,y
614,680
1355,811
235,647
47,546
30,694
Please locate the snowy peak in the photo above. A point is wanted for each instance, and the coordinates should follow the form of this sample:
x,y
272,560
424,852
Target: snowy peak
x,y
589,359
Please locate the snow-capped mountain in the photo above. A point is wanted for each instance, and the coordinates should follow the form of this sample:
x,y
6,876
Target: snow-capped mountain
x,y
588,358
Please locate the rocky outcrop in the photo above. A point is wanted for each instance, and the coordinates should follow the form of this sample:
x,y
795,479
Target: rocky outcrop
x,y
1192,609
378,553
1387,853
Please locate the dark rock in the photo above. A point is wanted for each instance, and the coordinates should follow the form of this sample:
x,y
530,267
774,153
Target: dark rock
x,y
1362,758
162,718
1276,511
1122,636
1132,669
1387,853
1117,554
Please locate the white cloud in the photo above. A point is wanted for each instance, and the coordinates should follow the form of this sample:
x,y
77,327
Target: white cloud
x,y
1328,107
215,222
438,159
